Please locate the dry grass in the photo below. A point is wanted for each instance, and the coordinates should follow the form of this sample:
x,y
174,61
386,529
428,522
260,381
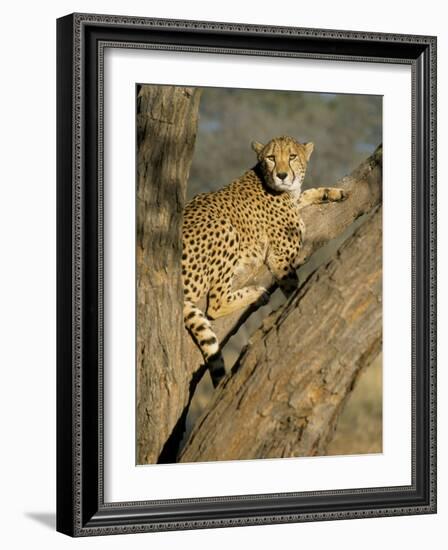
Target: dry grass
x,y
360,429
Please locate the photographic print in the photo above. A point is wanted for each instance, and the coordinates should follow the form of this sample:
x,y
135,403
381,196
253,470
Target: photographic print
x,y
270,266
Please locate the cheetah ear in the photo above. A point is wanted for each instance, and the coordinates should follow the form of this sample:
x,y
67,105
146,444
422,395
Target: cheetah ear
x,y
309,148
257,147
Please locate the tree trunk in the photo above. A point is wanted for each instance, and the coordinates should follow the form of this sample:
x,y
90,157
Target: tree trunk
x,y
166,132
288,387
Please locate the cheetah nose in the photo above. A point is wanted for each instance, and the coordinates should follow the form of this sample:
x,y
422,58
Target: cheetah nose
x,y
282,175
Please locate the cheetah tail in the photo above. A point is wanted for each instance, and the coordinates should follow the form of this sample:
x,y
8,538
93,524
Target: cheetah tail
x,y
201,330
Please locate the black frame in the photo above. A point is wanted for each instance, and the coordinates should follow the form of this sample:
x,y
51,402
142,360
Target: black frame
x,y
81,510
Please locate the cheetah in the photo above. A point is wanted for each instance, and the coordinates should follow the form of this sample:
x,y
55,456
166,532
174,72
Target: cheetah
x,y
252,221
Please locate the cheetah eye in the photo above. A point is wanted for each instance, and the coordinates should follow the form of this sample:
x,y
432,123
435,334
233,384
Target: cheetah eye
x,y
271,157
292,157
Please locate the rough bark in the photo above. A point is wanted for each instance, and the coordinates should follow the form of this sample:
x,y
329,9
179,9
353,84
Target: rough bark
x,y
288,387
322,223
166,127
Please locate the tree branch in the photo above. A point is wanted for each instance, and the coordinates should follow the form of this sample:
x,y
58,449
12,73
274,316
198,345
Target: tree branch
x,y
289,385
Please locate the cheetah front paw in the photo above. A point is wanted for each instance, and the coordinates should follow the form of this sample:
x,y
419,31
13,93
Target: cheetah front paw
x,y
339,195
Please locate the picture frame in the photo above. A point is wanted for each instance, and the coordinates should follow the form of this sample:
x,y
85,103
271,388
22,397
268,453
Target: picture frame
x,y
81,507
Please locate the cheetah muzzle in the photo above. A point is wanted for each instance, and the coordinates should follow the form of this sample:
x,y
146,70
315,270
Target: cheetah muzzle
x,y
252,221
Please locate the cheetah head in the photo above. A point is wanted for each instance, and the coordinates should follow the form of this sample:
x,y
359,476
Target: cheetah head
x,y
283,162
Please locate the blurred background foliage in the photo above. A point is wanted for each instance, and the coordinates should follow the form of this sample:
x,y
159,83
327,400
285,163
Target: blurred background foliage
x,y
345,130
